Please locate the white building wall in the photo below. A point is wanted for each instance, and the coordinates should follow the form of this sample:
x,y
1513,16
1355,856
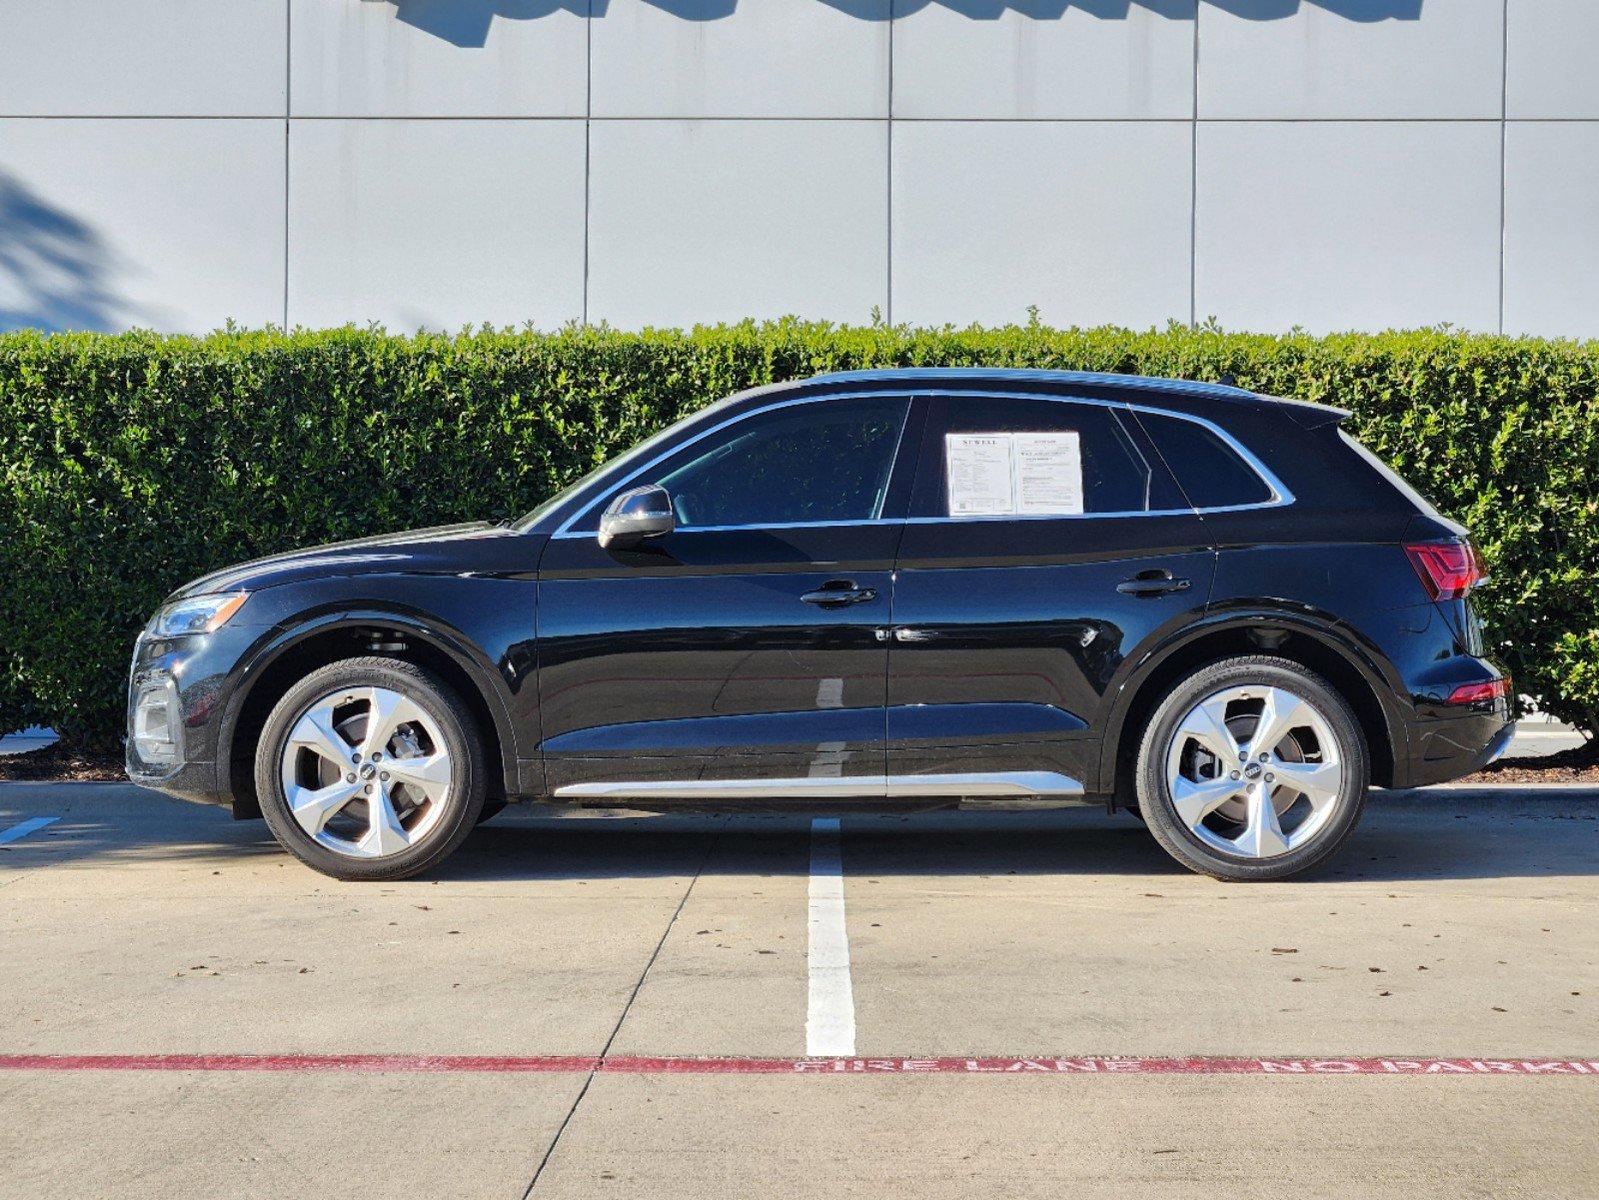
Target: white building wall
x,y
1330,164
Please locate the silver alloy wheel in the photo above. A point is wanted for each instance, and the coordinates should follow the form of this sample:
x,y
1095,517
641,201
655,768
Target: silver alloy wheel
x,y
1254,771
366,771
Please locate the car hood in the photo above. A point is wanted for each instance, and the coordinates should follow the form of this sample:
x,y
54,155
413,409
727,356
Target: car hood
x,y
476,548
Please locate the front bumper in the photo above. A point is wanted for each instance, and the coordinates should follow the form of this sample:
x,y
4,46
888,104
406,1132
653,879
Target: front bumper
x,y
176,693
196,781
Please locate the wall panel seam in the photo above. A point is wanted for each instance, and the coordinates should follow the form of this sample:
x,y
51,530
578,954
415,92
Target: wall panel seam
x,y
588,150
1504,131
888,264
1193,186
288,111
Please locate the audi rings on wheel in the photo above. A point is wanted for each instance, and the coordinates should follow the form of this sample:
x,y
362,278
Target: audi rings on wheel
x,y
1252,768
365,771
371,768
1254,771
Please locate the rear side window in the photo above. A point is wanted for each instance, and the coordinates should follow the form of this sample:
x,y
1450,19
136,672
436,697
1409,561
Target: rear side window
x,y
1000,456
1209,471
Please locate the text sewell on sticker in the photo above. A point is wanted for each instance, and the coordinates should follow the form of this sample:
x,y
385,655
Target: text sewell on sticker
x,y
1024,474
978,471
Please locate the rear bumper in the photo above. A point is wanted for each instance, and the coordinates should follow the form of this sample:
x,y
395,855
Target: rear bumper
x,y
1444,750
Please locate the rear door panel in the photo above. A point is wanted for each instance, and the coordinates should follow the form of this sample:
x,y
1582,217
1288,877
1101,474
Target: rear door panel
x,y
1004,667
1008,631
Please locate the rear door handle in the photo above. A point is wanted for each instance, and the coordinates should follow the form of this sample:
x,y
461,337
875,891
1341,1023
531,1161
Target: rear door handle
x,y
838,592
1152,583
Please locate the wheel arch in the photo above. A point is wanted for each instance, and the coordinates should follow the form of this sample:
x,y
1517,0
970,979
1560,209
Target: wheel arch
x,y
1322,648
276,666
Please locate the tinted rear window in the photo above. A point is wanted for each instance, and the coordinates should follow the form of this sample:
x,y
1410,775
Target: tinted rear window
x,y
1209,471
1115,477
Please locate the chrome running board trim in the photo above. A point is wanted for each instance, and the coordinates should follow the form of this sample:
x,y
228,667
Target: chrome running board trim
x,y
997,783
1002,783
719,789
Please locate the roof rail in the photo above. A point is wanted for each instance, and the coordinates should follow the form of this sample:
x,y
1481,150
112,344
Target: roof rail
x,y
1022,374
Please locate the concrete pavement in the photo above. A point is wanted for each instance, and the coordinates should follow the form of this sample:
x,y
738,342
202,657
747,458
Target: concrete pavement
x,y
1459,925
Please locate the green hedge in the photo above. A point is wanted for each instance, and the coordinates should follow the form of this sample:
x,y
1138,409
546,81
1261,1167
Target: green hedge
x,y
135,462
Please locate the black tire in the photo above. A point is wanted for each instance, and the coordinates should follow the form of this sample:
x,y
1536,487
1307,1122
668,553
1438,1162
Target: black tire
x,y
463,802
1154,793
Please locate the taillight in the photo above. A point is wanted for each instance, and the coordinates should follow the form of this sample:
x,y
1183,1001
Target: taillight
x,y
1448,570
1479,693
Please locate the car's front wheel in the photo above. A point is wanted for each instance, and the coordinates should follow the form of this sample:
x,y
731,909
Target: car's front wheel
x,y
1254,768
370,769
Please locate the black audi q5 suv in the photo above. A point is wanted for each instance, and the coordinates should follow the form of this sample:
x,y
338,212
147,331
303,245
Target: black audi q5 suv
x,y
898,589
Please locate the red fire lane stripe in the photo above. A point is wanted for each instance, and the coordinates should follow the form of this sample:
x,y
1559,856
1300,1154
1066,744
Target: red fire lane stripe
x,y
569,1064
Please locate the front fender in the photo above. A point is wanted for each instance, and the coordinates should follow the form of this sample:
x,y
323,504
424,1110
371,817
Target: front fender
x,y
498,684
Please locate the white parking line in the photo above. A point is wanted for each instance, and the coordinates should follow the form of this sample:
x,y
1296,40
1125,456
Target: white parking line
x,y
31,825
830,1018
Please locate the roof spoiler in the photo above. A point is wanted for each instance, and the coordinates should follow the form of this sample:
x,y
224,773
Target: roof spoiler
x,y
1309,414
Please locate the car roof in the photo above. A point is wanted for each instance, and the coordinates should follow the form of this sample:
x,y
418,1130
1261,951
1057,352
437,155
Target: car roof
x,y
1307,413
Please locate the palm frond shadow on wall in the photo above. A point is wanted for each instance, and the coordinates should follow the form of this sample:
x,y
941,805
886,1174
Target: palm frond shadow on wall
x,y
56,271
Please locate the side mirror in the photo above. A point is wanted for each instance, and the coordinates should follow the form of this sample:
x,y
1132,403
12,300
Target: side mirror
x,y
638,513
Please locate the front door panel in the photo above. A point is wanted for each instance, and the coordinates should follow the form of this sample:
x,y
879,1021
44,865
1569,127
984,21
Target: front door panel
x,y
701,658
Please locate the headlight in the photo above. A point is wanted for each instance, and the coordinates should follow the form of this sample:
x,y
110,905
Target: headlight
x,y
196,614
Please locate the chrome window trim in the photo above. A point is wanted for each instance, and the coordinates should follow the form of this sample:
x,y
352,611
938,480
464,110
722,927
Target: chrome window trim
x,y
587,533
1280,494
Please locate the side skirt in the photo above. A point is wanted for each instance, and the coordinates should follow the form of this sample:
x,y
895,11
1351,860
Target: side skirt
x,y
1024,786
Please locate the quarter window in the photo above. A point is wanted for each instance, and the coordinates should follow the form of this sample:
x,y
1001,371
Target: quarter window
x,y
830,460
1210,472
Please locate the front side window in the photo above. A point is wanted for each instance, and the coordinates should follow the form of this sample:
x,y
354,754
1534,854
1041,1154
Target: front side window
x,y
827,460
996,457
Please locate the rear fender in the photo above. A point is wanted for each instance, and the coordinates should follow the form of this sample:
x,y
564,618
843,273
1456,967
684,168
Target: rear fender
x,y
1258,628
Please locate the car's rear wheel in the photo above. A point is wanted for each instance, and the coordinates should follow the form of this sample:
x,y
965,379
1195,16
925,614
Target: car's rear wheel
x,y
1253,768
370,769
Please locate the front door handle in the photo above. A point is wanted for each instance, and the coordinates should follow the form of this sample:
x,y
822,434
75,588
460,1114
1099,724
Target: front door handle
x,y
836,593
1152,583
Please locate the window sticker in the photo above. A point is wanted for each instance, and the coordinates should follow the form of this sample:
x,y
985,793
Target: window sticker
x,y
1049,473
978,474
1004,474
